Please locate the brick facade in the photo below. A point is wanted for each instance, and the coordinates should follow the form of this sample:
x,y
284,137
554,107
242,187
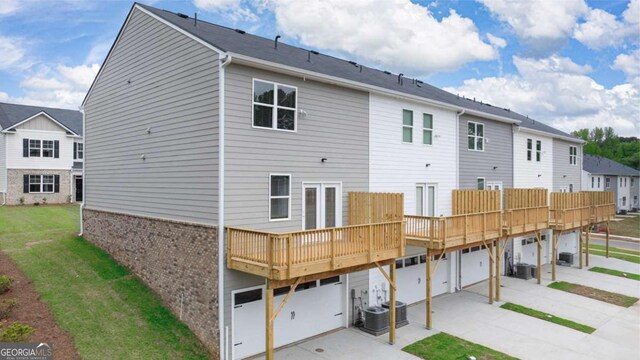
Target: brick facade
x,y
15,188
177,260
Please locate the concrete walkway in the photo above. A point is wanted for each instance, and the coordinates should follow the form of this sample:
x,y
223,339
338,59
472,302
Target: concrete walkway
x,y
467,315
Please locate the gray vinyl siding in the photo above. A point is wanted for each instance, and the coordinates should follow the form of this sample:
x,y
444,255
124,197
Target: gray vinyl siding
x,y
336,127
40,122
614,187
3,162
158,79
564,173
498,151
635,191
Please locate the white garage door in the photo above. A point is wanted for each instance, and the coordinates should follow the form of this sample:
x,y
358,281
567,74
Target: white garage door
x,y
475,265
411,276
316,307
530,250
568,242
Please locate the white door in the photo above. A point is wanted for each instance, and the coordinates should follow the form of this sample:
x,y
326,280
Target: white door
x,y
475,265
411,278
321,205
315,307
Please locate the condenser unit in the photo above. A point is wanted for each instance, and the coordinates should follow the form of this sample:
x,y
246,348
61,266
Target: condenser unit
x,y
523,271
401,313
376,320
566,257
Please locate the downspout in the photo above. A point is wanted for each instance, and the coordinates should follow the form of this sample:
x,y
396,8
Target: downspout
x,y
458,265
222,63
84,166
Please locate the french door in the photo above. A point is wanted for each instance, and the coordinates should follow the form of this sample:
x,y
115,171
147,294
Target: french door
x,y
321,205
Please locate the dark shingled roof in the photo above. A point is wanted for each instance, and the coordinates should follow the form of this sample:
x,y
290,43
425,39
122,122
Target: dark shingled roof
x,y
599,165
11,114
257,47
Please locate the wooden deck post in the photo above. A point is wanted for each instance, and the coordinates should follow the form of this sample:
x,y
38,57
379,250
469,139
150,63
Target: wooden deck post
x,y
554,255
607,248
498,269
539,272
490,273
392,305
587,250
269,321
428,302
580,248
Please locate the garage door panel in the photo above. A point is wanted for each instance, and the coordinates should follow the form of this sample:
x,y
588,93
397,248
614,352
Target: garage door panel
x,y
475,267
411,278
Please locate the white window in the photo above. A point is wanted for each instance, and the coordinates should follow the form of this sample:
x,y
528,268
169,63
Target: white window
x,y
625,182
480,183
624,201
529,149
427,129
420,199
41,183
570,187
620,182
79,151
573,155
598,182
593,182
632,179
407,126
279,197
475,136
607,182
274,106
47,148
538,150
35,146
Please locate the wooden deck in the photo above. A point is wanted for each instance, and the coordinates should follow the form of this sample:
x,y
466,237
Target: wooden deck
x,y
446,232
525,211
568,219
577,210
285,256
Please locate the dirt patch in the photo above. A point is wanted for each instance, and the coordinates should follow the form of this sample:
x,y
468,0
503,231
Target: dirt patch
x,y
606,296
34,312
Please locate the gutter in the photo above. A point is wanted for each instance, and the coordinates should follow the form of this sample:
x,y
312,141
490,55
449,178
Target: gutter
x,y
222,63
552,135
84,167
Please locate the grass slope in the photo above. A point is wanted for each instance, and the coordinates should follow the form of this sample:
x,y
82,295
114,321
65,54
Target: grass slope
x,y
593,293
616,249
442,346
109,312
615,273
615,255
548,317
626,227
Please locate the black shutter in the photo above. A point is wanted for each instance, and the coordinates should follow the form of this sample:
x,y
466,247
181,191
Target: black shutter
x,y
56,149
56,183
75,150
25,184
25,147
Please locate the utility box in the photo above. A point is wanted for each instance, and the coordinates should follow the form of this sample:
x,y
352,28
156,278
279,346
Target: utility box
x,y
567,257
401,313
376,320
523,271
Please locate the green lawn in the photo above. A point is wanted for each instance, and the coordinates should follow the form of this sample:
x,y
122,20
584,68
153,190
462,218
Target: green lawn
x,y
593,293
548,317
108,312
443,346
616,249
616,273
626,227
615,255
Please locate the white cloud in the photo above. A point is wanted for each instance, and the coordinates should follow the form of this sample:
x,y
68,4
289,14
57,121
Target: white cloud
x,y
12,53
98,52
212,5
63,86
559,92
496,41
629,64
232,9
632,14
542,24
601,29
400,34
8,7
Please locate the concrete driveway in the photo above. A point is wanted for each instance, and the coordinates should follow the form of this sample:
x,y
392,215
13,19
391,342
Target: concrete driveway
x,y
467,315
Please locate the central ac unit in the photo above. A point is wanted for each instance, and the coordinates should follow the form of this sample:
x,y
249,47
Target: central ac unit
x,y
376,320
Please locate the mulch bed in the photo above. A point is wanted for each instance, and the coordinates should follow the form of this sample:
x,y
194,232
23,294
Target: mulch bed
x,y
34,312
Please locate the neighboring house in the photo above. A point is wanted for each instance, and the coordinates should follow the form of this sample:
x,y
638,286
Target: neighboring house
x,y
602,174
41,155
194,127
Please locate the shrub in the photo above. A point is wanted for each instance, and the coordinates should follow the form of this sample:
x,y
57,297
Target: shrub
x,y
17,332
5,283
36,203
21,200
6,306
44,201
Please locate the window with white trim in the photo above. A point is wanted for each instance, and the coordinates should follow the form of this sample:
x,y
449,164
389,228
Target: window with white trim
x,y
607,182
41,183
427,129
79,151
407,126
598,182
47,148
279,197
481,183
47,183
593,182
529,149
274,105
35,146
35,183
538,150
475,136
573,155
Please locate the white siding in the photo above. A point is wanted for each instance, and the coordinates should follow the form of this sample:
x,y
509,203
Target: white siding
x,y
624,192
590,182
3,163
15,160
532,174
397,166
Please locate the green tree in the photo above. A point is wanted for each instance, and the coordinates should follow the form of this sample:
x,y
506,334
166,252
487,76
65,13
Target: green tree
x,y
604,142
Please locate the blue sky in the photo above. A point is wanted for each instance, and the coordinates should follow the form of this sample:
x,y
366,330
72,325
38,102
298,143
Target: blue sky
x,y
570,63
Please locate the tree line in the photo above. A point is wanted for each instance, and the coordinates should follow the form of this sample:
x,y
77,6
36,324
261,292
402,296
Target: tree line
x,y
604,142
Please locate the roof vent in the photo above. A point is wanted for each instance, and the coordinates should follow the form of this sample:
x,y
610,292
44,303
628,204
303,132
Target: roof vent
x,y
309,54
240,31
353,63
276,41
183,15
360,68
386,72
315,52
400,78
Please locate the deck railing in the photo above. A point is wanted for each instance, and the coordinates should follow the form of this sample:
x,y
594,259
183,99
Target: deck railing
x,y
447,231
573,218
602,213
282,256
523,220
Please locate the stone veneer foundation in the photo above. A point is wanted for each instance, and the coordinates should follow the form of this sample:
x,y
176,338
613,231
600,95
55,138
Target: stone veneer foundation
x,y
15,188
177,260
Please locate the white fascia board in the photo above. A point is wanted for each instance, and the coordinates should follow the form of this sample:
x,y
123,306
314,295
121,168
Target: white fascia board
x,y
547,134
